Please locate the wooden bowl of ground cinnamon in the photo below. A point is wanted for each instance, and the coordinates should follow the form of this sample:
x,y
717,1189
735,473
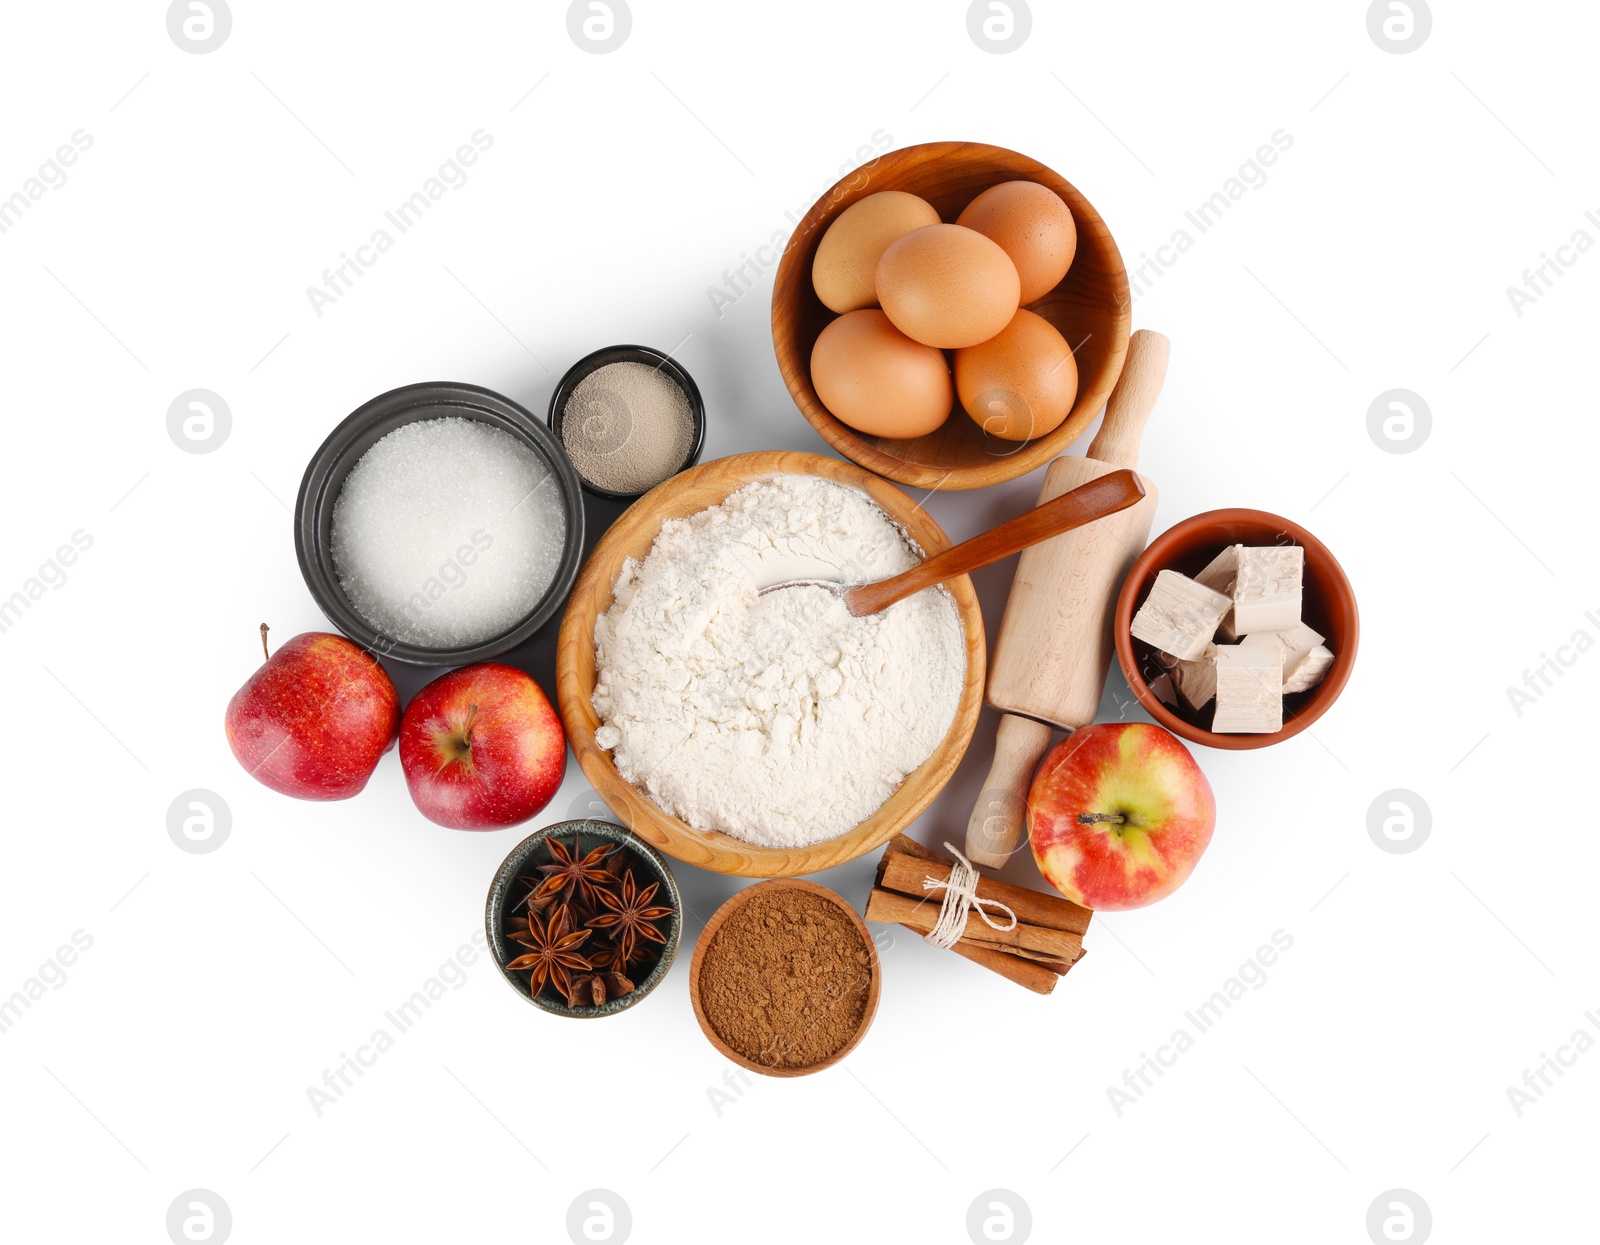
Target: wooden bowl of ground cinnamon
x,y
785,978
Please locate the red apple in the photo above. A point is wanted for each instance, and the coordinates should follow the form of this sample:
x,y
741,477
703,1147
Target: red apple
x,y
482,748
314,719
1118,815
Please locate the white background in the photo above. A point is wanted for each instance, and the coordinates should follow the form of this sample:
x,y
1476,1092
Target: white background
x,y
1378,1054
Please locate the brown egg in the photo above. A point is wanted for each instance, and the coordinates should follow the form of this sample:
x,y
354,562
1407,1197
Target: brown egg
x,y
1033,226
1021,383
876,379
847,257
947,286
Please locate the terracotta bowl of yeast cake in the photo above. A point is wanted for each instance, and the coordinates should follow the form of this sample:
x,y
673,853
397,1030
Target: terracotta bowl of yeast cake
x,y
632,537
1329,609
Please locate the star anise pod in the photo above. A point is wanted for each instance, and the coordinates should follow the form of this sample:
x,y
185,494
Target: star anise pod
x,y
620,862
628,918
532,909
553,951
593,989
603,957
571,875
532,904
586,990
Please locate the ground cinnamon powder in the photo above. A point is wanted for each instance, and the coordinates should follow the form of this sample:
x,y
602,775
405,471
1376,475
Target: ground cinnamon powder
x,y
784,981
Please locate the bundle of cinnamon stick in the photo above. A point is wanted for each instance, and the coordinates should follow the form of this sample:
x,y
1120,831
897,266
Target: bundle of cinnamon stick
x,y
1046,941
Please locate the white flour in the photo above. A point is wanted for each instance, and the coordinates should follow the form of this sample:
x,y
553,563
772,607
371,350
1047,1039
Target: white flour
x,y
781,719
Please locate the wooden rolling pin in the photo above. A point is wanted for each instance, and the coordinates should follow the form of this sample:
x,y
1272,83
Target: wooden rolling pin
x,y
1050,660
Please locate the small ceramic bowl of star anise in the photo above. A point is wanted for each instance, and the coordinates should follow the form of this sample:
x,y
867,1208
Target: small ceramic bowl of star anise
x,y
584,918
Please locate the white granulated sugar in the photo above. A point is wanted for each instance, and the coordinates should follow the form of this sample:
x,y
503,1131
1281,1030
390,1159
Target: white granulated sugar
x,y
447,532
779,719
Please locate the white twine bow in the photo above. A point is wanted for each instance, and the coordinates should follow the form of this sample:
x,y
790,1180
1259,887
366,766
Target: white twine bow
x,y
961,897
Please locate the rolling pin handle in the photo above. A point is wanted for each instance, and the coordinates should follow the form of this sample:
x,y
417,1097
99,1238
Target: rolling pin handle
x,y
998,826
1134,397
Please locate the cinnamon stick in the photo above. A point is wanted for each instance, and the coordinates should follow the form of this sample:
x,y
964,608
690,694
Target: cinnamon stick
x,y
908,845
1029,969
922,915
900,871
1049,961
1040,978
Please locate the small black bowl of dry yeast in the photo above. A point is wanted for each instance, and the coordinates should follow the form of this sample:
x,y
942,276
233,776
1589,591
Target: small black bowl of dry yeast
x,y
629,417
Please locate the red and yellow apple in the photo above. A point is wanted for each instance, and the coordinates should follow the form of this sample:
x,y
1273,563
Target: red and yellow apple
x,y
314,720
1118,815
482,748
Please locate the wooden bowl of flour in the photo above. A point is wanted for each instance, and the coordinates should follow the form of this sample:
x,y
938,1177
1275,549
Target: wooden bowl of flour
x,y
631,537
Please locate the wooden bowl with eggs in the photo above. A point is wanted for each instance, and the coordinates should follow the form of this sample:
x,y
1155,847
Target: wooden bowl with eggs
x,y
1090,308
632,536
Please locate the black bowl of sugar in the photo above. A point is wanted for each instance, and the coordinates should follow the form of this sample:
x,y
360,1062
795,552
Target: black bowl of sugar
x,y
629,417
440,524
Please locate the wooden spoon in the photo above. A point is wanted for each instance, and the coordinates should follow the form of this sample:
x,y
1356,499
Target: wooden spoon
x,y
1084,504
